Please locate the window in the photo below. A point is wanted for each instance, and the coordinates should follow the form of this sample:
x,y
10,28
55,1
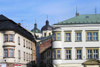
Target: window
x,y
92,53
67,36
92,35
24,55
54,37
89,54
95,54
79,53
49,34
78,35
8,53
56,54
68,53
95,36
89,36
19,54
24,42
58,36
31,46
18,40
44,34
8,37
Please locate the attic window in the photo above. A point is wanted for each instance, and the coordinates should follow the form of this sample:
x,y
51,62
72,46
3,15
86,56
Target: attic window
x,y
87,16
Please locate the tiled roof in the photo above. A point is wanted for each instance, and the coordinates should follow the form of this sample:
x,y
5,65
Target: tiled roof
x,y
82,19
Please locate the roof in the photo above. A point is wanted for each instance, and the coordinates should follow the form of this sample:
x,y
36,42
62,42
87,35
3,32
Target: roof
x,y
35,31
47,26
8,24
82,19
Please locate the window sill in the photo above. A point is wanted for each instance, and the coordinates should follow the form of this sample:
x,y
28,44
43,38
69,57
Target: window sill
x,y
92,41
9,41
78,41
8,57
68,59
68,41
78,59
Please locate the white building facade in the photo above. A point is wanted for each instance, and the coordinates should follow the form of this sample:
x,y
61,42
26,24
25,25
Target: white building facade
x,y
77,42
15,44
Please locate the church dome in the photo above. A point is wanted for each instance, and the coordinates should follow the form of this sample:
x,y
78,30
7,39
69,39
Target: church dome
x,y
47,26
35,30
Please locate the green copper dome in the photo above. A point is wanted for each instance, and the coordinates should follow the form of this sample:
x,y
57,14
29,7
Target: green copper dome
x,y
35,30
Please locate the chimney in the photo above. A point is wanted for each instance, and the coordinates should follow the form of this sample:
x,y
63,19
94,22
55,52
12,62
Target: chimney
x,y
47,22
19,24
35,26
77,14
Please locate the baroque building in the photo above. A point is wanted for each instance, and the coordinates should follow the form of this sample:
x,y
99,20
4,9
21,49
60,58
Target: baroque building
x,y
43,38
76,42
16,44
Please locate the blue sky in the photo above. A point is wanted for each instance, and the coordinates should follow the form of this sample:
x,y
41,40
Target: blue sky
x,y
26,11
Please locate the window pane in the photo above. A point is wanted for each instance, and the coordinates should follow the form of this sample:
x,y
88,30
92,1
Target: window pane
x,y
89,36
58,54
79,54
58,36
10,52
95,36
6,37
95,54
54,54
10,38
89,53
68,54
54,37
78,35
5,53
67,36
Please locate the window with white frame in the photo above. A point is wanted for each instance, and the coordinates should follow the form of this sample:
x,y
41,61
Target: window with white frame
x,y
68,38
58,54
95,54
89,36
78,36
68,54
89,53
95,36
79,56
58,36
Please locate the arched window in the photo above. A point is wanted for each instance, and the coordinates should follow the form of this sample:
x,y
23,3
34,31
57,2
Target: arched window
x,y
44,34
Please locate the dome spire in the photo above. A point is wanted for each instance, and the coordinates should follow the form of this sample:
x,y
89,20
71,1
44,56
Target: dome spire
x,y
35,25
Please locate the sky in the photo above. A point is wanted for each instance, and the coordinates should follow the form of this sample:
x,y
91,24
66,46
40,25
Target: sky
x,y
26,11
